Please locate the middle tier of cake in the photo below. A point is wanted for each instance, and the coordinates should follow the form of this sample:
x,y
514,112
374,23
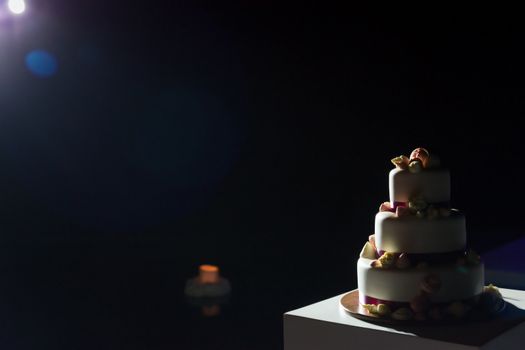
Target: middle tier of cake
x,y
420,235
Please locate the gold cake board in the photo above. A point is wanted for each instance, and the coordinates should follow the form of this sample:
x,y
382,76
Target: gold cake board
x,y
350,303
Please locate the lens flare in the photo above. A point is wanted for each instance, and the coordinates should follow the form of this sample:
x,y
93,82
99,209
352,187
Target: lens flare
x,y
16,6
41,63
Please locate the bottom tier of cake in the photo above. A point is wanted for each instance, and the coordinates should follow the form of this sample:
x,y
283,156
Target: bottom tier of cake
x,y
444,283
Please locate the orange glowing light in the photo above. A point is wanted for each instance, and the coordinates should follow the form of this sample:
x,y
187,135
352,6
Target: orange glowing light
x,y
208,274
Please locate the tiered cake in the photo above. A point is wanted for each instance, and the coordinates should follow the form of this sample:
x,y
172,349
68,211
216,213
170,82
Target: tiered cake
x,y
416,264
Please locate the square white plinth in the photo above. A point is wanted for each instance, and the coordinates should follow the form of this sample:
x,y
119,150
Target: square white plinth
x,y
327,326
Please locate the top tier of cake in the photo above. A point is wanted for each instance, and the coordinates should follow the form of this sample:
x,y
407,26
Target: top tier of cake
x,y
433,185
419,176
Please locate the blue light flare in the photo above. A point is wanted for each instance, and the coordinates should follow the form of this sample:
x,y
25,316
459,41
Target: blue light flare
x,y
41,63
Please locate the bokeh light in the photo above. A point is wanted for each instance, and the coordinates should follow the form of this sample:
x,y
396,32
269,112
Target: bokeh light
x,y
16,6
41,63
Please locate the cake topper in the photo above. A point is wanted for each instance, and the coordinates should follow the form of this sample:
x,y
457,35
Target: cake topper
x,y
418,160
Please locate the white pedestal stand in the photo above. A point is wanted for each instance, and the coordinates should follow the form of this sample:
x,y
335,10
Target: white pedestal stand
x,y
327,326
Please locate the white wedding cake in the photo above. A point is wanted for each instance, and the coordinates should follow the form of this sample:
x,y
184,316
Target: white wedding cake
x,y
416,265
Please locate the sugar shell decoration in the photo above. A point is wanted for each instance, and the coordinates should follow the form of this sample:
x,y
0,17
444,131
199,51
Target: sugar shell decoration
x,y
382,310
402,261
418,206
376,264
419,159
431,283
491,300
403,314
372,308
390,260
387,260
415,166
385,206
417,203
492,289
372,241
421,308
401,162
368,251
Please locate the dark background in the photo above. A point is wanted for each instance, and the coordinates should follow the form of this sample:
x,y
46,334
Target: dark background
x,y
257,137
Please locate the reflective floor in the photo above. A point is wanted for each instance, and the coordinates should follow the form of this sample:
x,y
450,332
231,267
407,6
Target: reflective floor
x,y
109,294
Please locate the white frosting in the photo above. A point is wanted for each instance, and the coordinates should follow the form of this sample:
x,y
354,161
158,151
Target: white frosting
x,y
457,282
432,184
411,234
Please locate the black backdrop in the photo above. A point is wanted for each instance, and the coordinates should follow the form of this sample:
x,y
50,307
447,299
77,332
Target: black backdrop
x,y
255,137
